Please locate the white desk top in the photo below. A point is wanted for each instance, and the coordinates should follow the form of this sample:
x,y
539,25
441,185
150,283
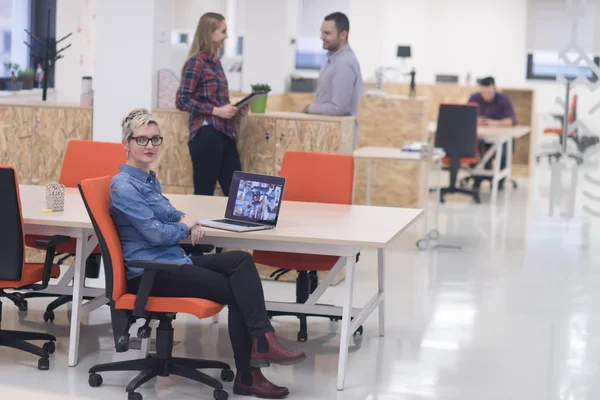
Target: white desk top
x,y
389,153
491,132
345,225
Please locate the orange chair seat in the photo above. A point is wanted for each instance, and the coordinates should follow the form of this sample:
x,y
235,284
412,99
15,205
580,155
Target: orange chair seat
x,y
296,261
201,308
463,160
556,131
65,248
32,273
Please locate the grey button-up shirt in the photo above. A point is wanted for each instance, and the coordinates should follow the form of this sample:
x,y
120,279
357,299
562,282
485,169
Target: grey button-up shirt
x,y
339,86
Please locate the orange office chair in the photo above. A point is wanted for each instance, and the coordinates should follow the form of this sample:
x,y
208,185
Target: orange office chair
x,y
83,159
127,307
310,177
17,274
571,117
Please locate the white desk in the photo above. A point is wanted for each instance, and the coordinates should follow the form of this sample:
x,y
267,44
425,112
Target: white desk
x,y
370,153
341,230
498,136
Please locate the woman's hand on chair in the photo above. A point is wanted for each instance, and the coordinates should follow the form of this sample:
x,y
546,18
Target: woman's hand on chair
x,y
197,233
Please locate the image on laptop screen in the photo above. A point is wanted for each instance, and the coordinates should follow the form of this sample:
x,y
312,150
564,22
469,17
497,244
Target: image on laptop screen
x,y
258,198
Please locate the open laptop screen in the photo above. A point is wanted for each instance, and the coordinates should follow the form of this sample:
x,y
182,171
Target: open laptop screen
x,y
255,198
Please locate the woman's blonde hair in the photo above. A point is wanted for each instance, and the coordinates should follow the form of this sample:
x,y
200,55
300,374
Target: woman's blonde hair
x,y
135,119
202,42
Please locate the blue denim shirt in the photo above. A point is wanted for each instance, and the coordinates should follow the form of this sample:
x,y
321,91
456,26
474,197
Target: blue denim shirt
x,y
147,223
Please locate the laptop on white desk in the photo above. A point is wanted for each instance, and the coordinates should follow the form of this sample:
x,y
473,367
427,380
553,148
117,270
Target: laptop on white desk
x,y
253,205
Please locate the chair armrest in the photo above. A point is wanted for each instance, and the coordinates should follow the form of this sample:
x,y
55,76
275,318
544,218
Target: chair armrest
x,y
50,244
153,265
52,241
151,269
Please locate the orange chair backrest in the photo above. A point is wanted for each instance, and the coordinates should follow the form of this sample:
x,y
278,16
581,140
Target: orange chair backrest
x,y
318,177
96,197
87,159
12,248
573,109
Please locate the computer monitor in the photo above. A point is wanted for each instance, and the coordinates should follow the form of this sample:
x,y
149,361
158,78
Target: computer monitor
x,y
403,52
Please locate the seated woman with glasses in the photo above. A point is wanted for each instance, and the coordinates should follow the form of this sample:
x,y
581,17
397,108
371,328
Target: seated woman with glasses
x,y
150,229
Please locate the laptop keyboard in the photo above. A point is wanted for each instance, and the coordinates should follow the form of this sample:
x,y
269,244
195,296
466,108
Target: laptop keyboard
x,y
238,223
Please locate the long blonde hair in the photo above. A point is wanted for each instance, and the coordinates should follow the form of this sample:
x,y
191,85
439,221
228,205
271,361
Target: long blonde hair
x,y
202,42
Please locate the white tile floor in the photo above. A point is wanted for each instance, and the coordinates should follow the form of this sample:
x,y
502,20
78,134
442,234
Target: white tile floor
x,y
514,314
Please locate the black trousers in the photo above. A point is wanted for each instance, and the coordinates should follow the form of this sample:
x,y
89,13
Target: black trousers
x,y
214,158
229,278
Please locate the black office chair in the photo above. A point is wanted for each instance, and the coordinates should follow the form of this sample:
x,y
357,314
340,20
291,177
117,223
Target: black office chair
x,y
15,273
457,135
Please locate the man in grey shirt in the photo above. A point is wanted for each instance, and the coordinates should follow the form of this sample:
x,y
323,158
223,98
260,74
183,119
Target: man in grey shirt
x,y
340,82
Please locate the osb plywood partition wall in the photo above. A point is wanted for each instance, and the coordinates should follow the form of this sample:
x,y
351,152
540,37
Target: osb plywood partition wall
x,y
523,100
390,122
47,130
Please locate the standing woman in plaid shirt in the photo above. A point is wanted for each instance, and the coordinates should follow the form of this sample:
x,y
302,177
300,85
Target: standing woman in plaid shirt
x,y
204,93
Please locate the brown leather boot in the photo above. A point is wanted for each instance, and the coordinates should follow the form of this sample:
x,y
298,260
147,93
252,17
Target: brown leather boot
x,y
256,384
266,350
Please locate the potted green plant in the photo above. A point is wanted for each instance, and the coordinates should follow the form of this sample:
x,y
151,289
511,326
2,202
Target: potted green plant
x,y
260,105
13,84
27,78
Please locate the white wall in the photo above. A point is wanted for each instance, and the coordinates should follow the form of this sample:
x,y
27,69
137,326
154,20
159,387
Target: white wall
x,y
124,74
186,13
268,51
77,17
367,33
313,12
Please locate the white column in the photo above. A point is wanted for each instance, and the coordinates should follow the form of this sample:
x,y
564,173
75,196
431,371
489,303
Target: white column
x,y
231,16
133,42
21,16
269,54
79,18
367,34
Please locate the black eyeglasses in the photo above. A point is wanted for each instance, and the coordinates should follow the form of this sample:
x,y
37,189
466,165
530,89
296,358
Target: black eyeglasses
x,y
143,141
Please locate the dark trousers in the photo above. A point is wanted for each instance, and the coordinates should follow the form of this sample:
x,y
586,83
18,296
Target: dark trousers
x,y
214,158
483,147
229,278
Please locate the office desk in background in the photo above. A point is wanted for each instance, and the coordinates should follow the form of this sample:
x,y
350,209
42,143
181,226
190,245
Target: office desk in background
x,y
434,164
498,136
331,229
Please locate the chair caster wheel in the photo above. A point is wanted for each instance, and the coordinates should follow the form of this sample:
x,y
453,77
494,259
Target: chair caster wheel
x,y
227,375
359,331
220,395
134,396
302,336
50,347
95,380
434,234
422,244
43,364
334,319
22,305
49,316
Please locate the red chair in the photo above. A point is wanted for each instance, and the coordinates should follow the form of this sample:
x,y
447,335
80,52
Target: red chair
x,y
318,178
15,273
83,159
127,307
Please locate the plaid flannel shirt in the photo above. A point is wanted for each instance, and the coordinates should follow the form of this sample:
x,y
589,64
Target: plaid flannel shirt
x,y
204,86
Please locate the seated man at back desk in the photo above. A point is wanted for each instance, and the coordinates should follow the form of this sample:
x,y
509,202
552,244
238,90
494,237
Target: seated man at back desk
x,y
495,109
